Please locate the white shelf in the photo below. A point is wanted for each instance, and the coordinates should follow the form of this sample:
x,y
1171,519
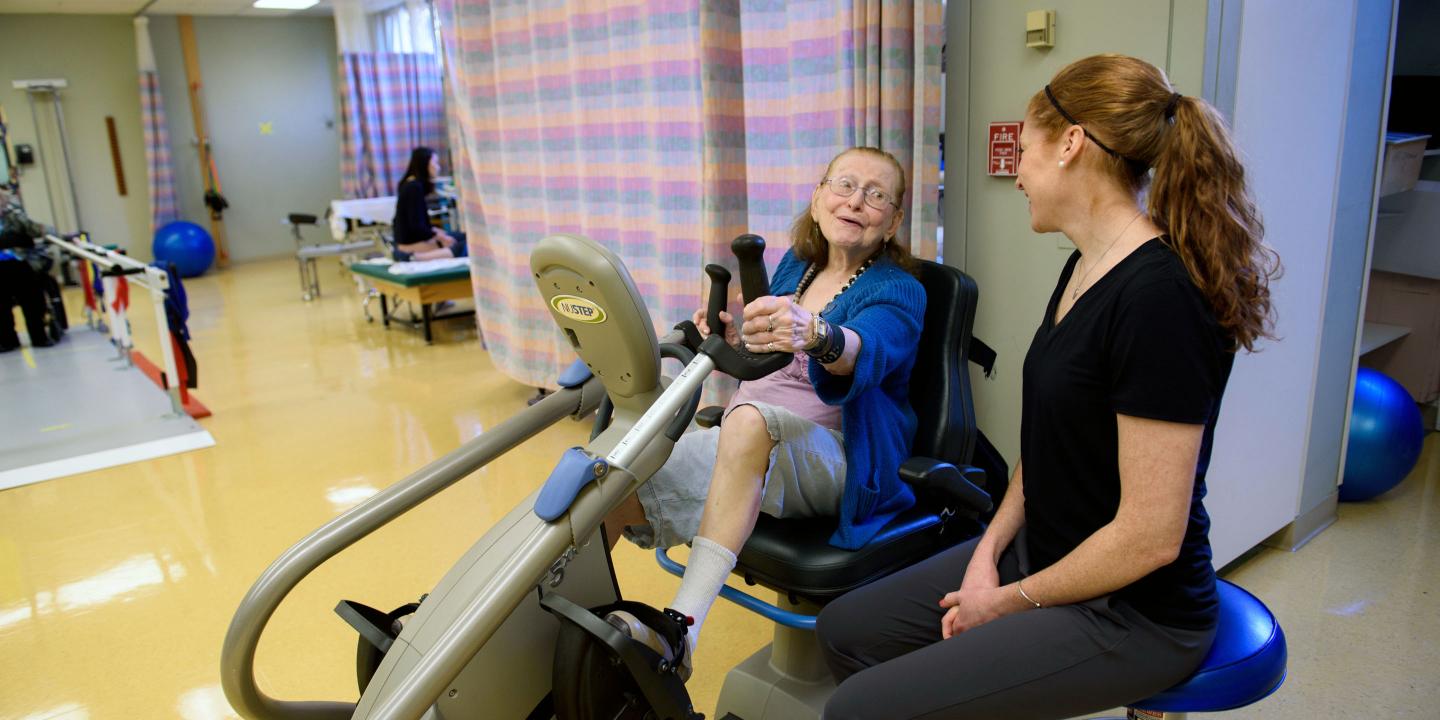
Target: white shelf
x,y
1377,335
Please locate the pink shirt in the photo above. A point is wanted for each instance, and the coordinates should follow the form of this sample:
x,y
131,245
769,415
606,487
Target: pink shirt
x,y
790,388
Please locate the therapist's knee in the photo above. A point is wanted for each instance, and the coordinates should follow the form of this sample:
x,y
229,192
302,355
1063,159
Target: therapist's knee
x,y
841,633
858,700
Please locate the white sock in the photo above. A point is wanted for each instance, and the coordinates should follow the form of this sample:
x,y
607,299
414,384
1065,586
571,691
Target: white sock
x,y
709,564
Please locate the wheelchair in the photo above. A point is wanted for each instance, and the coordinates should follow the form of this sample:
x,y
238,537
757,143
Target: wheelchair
x,y
30,285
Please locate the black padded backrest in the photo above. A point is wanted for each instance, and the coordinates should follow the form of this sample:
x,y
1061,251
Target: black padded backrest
x,y
940,382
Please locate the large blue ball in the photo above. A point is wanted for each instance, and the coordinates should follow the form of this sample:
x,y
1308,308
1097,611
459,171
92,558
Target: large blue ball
x,y
1386,435
185,244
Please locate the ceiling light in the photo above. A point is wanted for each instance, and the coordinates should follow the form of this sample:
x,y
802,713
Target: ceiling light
x,y
285,4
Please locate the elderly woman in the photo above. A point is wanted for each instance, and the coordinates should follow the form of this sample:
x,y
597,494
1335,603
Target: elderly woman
x,y
415,237
1092,587
824,436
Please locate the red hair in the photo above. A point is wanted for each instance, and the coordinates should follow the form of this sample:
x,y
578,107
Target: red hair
x,y
1198,194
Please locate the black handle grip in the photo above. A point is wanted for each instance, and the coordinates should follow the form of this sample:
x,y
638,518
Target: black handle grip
x,y
754,280
719,297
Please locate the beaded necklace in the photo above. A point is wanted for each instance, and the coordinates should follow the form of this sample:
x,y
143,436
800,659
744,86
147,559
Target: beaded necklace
x,y
814,270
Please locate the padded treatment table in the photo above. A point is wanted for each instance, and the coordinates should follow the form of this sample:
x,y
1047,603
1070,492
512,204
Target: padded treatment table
x,y
422,289
374,211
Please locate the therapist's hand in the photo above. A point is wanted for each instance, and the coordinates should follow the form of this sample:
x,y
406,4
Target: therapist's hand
x,y
980,599
971,608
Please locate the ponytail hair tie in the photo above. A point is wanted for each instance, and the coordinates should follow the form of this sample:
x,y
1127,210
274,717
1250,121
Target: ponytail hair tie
x,y
1170,108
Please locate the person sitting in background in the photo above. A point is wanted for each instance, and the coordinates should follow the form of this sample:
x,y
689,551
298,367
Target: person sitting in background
x,y
20,282
415,237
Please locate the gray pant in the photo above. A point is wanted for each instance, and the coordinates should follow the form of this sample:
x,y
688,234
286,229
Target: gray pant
x,y
883,645
805,478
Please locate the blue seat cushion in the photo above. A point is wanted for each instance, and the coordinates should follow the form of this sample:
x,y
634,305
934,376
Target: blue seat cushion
x,y
1246,663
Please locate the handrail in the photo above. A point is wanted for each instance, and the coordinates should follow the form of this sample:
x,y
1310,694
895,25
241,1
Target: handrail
x,y
80,246
237,658
151,278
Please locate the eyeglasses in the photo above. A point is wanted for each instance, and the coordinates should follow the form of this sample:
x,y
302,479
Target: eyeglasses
x,y
845,187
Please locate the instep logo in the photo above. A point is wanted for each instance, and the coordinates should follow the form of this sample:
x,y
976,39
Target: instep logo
x,y
578,309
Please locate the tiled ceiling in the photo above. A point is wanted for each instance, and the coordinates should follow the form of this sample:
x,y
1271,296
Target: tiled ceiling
x,y
158,7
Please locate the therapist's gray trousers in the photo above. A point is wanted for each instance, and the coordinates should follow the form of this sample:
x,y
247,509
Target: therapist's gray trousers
x,y
883,645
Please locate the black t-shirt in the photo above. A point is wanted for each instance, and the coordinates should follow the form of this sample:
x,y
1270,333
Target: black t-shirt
x,y
1143,342
412,216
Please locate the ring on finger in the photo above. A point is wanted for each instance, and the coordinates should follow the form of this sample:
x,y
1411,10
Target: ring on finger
x,y
770,323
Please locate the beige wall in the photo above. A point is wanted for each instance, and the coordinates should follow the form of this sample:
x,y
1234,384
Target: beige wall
x,y
96,55
280,71
1015,268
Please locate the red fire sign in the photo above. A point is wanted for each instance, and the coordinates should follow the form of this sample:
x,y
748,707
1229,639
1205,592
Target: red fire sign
x,y
1004,148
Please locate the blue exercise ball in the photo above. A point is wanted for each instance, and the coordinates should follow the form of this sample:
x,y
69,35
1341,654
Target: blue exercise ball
x,y
185,244
1386,434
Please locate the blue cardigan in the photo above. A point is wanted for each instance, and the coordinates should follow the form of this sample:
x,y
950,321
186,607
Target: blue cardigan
x,y
886,308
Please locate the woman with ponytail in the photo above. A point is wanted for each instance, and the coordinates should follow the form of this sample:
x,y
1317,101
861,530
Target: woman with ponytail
x,y
1092,587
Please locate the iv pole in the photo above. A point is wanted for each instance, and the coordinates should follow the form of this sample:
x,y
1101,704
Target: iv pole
x,y
52,87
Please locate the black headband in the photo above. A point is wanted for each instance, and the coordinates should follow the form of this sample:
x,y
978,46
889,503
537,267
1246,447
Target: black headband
x,y
1169,116
1073,121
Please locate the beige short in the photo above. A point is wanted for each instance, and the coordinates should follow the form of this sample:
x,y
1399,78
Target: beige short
x,y
806,478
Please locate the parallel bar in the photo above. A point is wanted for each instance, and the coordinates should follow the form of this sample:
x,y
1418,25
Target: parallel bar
x,y
172,380
151,278
109,259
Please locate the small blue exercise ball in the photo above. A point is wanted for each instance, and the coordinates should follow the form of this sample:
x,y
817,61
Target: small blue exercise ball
x,y
1386,434
185,244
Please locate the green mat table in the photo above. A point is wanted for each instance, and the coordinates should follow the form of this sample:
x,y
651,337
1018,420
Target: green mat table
x,y
422,289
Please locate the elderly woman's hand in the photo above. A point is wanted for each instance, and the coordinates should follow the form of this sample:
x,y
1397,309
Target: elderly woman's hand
x,y
775,324
701,324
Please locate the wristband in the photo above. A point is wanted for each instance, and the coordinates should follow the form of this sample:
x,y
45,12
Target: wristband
x,y
815,338
833,348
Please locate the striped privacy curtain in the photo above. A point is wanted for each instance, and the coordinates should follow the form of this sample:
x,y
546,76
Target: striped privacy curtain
x,y
159,170
657,128
823,76
390,103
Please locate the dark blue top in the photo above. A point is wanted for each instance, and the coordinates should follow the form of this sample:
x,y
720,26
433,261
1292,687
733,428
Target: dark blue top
x,y
886,308
412,215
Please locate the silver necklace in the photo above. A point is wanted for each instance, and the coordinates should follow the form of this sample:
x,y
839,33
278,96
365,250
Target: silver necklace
x,y
1075,293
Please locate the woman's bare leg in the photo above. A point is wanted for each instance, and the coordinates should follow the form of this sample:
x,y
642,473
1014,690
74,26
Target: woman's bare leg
x,y
737,483
628,512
